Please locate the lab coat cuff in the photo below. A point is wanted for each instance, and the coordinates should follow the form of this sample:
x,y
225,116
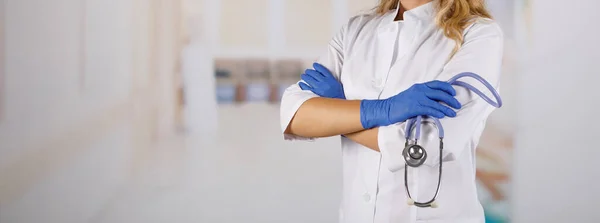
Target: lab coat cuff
x,y
391,144
289,108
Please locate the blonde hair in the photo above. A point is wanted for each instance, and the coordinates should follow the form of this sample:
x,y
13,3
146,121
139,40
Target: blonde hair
x,y
453,16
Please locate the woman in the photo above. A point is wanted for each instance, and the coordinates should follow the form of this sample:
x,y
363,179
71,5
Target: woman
x,y
382,69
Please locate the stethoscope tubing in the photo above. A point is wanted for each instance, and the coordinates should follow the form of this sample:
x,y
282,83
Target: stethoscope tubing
x,y
416,123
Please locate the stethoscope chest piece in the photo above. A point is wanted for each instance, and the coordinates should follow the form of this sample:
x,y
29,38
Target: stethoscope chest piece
x,y
414,155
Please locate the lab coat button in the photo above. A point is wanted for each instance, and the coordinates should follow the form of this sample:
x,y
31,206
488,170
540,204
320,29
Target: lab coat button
x,y
367,197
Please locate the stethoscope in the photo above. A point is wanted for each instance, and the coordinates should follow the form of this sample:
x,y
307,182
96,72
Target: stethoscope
x,y
415,155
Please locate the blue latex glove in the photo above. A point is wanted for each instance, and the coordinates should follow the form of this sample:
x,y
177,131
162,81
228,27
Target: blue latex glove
x,y
420,99
321,82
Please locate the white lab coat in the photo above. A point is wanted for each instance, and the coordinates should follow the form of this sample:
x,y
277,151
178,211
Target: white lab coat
x,y
376,57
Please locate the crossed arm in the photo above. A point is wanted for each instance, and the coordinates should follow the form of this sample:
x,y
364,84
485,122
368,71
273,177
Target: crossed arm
x,y
311,116
306,115
324,117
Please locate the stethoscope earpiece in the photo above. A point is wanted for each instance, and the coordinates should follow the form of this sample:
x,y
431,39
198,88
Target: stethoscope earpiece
x,y
433,205
412,202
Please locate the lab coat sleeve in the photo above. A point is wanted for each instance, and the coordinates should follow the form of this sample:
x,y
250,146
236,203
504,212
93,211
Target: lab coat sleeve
x,y
481,53
294,97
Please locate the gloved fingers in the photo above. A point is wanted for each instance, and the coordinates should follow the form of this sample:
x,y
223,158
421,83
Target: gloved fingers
x,y
322,69
438,107
443,86
428,111
309,80
305,87
315,74
443,96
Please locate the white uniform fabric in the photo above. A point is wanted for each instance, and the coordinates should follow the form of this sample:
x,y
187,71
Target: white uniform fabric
x,y
376,57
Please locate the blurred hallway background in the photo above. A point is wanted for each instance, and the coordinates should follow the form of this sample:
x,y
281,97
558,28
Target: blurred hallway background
x,y
93,126
115,111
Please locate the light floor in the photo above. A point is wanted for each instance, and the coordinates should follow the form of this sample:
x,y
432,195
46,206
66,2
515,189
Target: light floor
x,y
250,174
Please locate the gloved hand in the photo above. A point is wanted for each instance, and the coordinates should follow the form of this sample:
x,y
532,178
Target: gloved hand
x,y
321,82
420,99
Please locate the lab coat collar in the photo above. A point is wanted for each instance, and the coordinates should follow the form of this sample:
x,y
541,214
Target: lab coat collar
x,y
424,12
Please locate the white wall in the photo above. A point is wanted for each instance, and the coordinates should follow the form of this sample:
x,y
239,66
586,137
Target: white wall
x,y
79,77
279,26
556,174
60,71
68,70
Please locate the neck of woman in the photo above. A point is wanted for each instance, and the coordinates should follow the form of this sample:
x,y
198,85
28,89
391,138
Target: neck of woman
x,y
406,5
